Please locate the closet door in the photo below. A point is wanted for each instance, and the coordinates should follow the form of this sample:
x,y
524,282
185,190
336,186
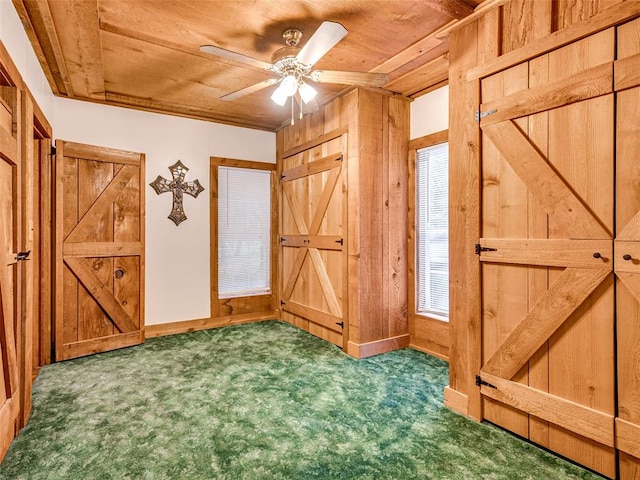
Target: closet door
x,y
546,251
627,248
99,249
312,238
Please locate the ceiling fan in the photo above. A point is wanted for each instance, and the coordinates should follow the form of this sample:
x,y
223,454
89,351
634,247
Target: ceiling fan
x,y
293,65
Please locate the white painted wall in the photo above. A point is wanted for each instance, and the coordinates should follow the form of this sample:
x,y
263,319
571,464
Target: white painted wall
x,y
177,258
17,44
430,113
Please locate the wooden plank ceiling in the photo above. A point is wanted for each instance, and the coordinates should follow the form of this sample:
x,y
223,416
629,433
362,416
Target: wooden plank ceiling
x,y
145,54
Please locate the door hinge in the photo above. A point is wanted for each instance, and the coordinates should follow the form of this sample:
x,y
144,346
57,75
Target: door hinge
x,y
340,158
22,255
53,150
282,302
341,241
480,382
340,324
480,115
480,249
282,239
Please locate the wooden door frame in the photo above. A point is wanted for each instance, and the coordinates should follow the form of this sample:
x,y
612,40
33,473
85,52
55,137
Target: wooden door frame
x,y
436,340
45,240
465,352
35,128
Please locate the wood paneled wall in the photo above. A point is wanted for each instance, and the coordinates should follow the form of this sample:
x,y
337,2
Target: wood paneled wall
x,y
376,191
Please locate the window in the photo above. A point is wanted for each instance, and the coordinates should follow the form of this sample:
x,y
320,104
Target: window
x,y
244,232
432,228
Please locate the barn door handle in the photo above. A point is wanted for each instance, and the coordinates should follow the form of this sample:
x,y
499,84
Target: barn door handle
x,y
597,255
119,273
627,257
23,255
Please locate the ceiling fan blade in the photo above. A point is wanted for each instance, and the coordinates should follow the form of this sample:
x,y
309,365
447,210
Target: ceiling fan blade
x,y
250,89
323,40
238,57
362,79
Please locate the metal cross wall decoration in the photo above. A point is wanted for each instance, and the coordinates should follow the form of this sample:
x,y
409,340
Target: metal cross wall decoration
x,y
178,187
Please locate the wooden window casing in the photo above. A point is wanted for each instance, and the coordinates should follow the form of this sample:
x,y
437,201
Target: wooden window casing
x,y
428,333
247,308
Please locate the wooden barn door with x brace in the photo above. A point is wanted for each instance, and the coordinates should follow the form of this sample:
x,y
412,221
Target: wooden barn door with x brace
x,y
312,238
546,250
99,249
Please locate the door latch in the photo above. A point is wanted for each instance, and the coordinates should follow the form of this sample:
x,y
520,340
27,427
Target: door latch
x,y
23,255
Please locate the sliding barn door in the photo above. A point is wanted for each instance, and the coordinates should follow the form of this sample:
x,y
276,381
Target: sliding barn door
x,y
312,243
99,249
9,395
546,251
627,248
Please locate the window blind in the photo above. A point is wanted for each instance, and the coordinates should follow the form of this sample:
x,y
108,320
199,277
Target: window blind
x,y
432,210
244,232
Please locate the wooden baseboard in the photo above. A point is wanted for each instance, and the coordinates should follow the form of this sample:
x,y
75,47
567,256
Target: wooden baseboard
x,y
431,349
364,350
173,328
9,413
456,401
100,345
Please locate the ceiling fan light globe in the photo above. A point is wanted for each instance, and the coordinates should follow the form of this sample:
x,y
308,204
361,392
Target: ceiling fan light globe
x,y
307,92
289,85
279,96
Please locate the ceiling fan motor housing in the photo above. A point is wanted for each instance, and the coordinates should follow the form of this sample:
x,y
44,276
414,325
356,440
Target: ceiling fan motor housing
x,y
285,63
283,53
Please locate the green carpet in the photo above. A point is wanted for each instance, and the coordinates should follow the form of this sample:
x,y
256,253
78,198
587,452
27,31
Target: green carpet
x,y
259,401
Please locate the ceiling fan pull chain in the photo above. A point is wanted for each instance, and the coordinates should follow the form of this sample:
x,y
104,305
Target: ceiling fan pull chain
x,y
300,104
293,122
